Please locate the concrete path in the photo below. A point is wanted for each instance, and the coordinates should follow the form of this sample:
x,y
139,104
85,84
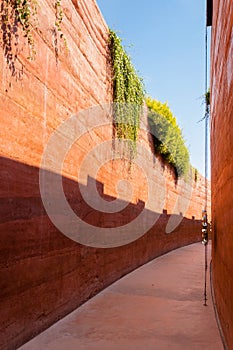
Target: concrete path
x,y
159,306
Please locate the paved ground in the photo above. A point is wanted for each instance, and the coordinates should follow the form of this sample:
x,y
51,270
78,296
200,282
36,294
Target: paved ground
x,y
157,307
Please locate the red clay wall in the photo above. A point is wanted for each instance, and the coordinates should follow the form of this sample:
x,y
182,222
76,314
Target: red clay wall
x,y
43,274
222,162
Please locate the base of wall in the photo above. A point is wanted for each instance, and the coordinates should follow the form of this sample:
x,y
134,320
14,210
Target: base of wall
x,y
216,310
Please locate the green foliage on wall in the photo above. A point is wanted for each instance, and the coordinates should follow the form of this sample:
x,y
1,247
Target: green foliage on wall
x,y
128,95
168,138
128,91
195,174
14,13
59,16
22,14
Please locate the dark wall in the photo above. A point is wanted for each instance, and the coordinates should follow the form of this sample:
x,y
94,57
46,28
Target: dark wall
x,y
43,274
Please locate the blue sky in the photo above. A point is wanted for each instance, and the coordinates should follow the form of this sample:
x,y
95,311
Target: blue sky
x,y
166,41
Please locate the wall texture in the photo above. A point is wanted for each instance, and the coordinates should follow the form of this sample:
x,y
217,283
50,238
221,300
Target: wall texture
x,y
43,274
222,161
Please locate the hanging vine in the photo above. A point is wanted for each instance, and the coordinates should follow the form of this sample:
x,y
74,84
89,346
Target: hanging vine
x,y
15,14
59,16
21,16
128,92
58,28
25,10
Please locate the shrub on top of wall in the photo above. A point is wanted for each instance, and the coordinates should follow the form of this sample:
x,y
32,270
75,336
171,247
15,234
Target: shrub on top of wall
x,y
168,138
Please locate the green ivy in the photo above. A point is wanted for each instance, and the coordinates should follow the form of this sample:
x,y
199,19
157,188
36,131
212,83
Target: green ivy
x,y
128,92
14,12
59,16
168,138
195,171
58,28
22,13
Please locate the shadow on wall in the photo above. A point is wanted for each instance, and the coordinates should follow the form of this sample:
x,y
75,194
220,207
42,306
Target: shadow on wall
x,y
44,274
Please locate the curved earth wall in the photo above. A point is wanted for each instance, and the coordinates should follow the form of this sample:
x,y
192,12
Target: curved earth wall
x,y
43,274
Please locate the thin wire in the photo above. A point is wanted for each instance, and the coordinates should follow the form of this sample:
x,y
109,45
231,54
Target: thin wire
x,y
206,269
206,120
206,156
206,152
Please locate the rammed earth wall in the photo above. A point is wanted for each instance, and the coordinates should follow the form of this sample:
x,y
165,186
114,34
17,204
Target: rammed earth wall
x,y
43,274
222,162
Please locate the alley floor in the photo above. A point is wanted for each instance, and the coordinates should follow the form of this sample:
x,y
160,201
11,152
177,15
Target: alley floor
x,y
158,306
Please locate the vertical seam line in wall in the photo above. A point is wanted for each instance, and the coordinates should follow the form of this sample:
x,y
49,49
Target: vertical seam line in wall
x,y
216,311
